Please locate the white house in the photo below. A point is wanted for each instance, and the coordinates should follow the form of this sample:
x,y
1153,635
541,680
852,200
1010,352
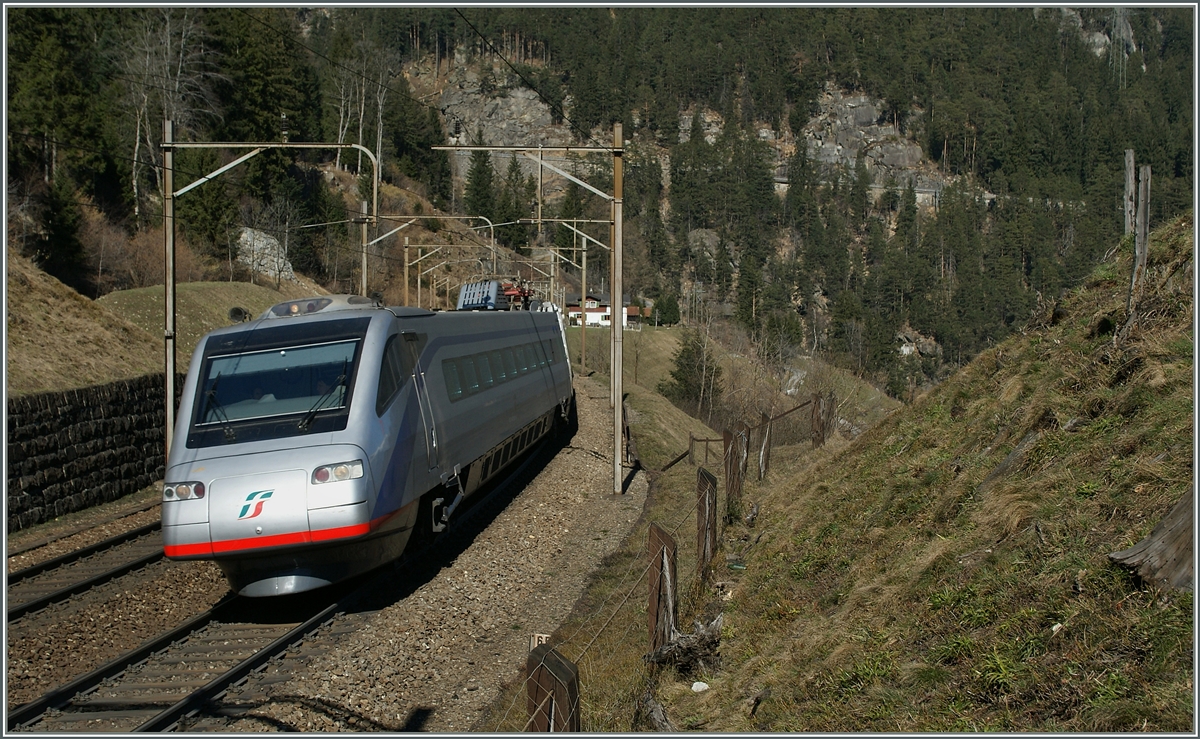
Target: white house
x,y
598,314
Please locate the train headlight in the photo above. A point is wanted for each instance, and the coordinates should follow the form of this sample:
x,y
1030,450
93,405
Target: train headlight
x,y
338,472
183,490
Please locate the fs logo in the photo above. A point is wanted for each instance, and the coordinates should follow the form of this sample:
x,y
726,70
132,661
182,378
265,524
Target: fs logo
x,y
256,499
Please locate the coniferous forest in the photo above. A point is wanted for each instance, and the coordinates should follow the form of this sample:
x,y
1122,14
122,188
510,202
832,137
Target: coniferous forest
x,y
1025,114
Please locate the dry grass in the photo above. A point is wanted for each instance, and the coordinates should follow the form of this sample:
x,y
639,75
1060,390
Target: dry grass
x,y
59,340
753,386
941,575
200,307
947,570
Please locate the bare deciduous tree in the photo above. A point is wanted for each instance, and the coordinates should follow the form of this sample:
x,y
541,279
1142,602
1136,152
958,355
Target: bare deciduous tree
x,y
168,73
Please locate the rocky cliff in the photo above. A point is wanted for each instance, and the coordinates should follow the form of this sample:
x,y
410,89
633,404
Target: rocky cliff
x,y
494,101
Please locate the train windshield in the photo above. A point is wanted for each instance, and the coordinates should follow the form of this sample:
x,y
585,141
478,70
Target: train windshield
x,y
284,389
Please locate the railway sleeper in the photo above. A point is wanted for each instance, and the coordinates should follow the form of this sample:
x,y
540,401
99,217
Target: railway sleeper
x,y
112,716
120,702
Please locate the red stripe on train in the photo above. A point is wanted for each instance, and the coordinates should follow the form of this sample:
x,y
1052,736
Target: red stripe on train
x,y
278,540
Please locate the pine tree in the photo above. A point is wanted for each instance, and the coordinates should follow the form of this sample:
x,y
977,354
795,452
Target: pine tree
x,y
695,380
479,198
513,205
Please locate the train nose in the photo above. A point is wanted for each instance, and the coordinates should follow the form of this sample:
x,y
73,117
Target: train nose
x,y
258,511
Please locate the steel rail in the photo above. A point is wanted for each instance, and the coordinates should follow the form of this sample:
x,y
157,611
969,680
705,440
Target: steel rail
x,y
125,568
60,696
116,516
195,700
79,554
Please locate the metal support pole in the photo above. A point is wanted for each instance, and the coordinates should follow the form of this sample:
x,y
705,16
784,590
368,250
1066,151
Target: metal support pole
x,y
169,281
420,255
618,312
406,270
540,239
583,314
364,249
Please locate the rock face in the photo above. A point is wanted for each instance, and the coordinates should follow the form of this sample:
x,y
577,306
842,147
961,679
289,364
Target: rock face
x,y
263,254
913,342
847,123
509,114
493,100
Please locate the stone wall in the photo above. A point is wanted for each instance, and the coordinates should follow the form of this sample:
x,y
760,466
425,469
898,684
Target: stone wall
x,y
71,450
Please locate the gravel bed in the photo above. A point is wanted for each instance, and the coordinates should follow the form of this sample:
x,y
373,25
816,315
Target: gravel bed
x,y
437,659
68,639
75,541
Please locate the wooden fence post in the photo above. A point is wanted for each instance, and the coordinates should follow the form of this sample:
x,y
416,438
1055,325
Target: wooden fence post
x,y
764,451
743,441
818,433
732,492
824,417
552,691
691,447
661,611
706,521
1129,191
1141,237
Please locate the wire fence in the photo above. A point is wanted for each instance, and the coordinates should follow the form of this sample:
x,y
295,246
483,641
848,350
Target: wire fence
x,y
596,674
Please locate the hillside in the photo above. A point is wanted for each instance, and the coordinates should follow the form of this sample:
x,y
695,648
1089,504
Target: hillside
x,y
200,307
750,387
949,570
59,340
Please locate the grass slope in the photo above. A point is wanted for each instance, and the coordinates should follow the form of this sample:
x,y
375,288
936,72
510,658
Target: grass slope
x,y
59,340
200,307
948,570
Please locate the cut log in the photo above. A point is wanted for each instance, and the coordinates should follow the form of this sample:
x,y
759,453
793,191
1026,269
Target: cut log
x,y
656,714
1164,558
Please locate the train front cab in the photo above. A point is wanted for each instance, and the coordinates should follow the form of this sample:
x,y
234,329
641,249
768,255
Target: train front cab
x,y
257,480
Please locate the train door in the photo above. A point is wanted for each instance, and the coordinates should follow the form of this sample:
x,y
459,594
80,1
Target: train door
x,y
433,448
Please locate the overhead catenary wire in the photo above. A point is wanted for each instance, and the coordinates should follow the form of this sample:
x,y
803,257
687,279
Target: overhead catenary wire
x,y
223,183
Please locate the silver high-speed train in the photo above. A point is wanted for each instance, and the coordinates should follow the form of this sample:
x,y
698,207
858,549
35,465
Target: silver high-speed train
x,y
313,442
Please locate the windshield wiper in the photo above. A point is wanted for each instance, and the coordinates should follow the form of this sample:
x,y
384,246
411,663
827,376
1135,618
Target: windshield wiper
x,y
219,410
312,412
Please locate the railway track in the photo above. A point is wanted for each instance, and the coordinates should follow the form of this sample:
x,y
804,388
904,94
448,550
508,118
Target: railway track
x,y
58,579
176,681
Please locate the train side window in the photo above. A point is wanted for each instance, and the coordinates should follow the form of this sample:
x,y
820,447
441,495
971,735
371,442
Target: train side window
x,y
538,354
453,384
470,379
510,364
484,369
497,362
391,374
519,357
549,347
